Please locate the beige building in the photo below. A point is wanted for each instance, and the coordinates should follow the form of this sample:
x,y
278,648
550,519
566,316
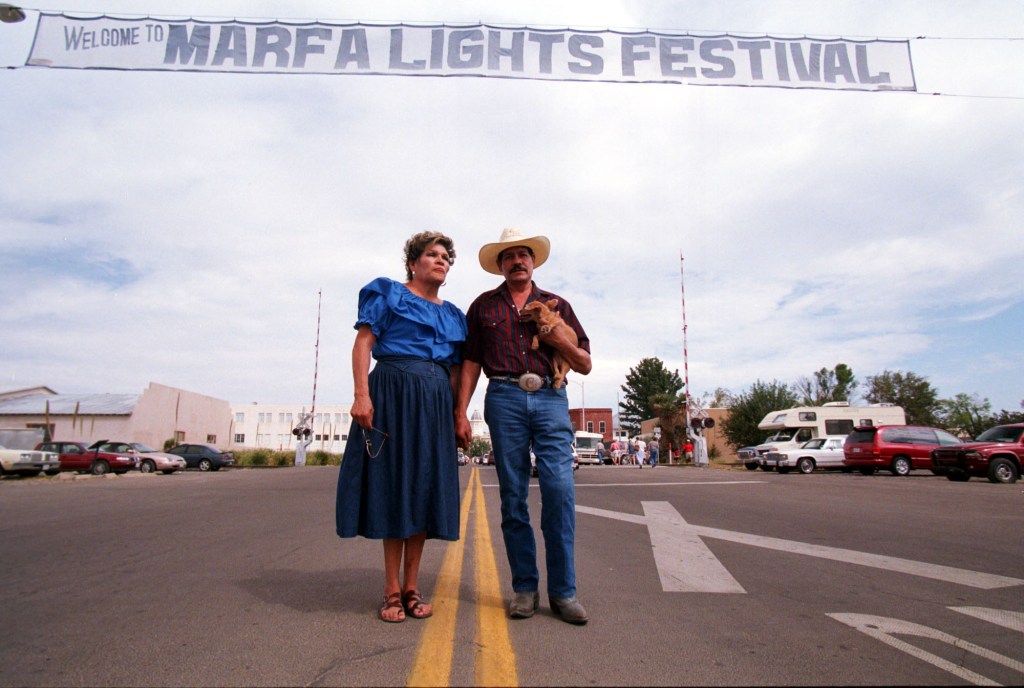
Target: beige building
x,y
158,414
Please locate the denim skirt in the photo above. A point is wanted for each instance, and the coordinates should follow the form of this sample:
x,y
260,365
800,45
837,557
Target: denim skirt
x,y
407,482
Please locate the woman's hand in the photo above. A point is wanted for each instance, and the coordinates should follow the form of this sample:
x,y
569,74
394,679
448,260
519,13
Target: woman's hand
x,y
362,411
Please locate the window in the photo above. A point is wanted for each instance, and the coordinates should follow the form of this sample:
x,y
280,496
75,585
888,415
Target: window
x,y
838,426
602,427
239,438
866,422
808,416
179,436
211,439
280,418
802,435
590,426
240,417
337,418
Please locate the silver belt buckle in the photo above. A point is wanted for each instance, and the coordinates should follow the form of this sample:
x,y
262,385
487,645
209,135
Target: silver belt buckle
x,y
530,382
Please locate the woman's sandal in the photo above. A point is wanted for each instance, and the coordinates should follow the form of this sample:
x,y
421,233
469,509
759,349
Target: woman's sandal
x,y
412,600
392,601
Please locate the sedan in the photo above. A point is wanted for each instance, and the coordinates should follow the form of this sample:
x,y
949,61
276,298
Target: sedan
x,y
150,459
77,456
28,462
205,457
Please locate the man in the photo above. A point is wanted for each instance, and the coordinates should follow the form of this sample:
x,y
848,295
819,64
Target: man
x,y
653,447
524,412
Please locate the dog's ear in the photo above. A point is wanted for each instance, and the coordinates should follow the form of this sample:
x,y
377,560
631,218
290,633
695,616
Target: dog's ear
x,y
552,303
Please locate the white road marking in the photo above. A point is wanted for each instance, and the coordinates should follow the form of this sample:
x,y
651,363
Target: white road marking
x,y
700,482
685,564
883,629
1000,617
682,531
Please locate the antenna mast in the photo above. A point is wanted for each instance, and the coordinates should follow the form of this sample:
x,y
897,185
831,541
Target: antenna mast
x,y
686,363
316,356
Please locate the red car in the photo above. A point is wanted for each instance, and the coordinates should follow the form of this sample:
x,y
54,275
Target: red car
x,y
895,448
95,459
997,454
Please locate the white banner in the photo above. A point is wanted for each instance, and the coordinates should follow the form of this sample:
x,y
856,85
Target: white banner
x,y
478,50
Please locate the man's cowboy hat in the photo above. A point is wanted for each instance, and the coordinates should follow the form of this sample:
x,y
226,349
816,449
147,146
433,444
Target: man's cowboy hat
x,y
510,236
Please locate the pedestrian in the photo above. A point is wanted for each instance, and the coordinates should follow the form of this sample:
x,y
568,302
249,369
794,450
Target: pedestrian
x,y
653,448
616,452
600,453
688,450
632,453
521,409
399,477
640,455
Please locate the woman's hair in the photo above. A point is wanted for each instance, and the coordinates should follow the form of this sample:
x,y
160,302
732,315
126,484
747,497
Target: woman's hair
x,y
419,243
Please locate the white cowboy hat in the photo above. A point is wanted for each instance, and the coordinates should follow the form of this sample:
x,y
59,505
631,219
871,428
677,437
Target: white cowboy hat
x,y
510,236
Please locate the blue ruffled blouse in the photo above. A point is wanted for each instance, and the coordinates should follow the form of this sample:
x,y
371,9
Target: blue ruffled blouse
x,y
407,325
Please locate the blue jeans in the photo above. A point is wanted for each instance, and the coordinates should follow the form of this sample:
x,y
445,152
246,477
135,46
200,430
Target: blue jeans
x,y
654,457
518,420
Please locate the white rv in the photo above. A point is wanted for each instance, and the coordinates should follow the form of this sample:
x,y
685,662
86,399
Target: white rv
x,y
586,446
790,428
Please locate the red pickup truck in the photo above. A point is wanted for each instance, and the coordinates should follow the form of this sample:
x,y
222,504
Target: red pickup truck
x,y
997,454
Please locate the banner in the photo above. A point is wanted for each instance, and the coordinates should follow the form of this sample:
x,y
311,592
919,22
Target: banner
x,y
478,50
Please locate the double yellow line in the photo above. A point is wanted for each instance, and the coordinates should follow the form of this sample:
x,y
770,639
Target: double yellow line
x,y
495,661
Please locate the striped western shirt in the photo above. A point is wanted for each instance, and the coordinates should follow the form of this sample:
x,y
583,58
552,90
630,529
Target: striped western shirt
x,y
500,342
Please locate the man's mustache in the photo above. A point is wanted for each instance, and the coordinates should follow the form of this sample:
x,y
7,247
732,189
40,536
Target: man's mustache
x,y
518,268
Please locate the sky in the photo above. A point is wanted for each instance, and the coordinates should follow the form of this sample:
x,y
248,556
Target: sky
x,y
190,228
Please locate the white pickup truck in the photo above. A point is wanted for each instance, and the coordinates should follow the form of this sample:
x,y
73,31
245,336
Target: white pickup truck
x,y
820,452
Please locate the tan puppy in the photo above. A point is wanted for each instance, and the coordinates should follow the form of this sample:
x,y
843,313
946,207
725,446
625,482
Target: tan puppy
x,y
548,320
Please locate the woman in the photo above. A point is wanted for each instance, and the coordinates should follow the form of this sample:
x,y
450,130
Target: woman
x,y
399,477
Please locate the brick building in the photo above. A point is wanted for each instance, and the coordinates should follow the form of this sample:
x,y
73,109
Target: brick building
x,y
592,420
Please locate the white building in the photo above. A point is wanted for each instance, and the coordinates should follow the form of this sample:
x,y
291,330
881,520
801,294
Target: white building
x,y
270,426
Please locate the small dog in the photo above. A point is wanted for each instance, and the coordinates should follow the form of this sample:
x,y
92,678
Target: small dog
x,y
548,320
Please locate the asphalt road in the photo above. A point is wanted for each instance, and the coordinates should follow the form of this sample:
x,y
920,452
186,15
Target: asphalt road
x,y
691,576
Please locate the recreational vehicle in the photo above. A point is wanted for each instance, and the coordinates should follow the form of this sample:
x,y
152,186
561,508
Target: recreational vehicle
x,y
790,428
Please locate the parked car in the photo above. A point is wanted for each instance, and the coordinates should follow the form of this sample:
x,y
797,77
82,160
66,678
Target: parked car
x,y
997,454
533,462
28,462
896,448
820,452
205,457
83,458
149,459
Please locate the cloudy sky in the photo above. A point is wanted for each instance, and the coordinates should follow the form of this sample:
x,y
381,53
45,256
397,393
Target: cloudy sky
x,y
178,227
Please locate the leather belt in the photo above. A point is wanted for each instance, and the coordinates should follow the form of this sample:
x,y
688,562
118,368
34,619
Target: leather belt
x,y
529,382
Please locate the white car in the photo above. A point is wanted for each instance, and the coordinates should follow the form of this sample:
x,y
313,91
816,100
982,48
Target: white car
x,y
28,462
820,452
533,462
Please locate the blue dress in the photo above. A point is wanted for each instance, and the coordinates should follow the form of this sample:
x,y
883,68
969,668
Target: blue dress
x,y
407,482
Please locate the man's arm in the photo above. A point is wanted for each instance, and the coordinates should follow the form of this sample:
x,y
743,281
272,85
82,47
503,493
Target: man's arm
x,y
468,377
577,357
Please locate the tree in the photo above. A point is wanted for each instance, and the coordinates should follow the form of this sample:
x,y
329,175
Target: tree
x,y
649,378
911,391
671,412
720,398
479,447
749,409
827,385
965,414
1005,417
